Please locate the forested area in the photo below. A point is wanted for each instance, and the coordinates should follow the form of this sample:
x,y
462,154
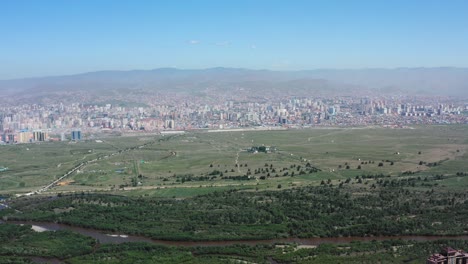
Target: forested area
x,y
19,244
313,211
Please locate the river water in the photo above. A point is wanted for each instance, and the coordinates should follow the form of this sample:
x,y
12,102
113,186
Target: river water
x,y
107,237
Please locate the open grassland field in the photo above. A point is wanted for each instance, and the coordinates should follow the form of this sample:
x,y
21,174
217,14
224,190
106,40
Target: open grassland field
x,y
189,164
33,165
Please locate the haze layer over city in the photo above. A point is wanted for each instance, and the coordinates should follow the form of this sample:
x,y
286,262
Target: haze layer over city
x,y
234,131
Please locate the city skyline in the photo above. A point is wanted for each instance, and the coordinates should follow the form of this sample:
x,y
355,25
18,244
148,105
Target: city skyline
x,y
57,38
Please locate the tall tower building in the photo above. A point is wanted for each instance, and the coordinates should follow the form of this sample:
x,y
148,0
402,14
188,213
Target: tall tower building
x,y
24,137
76,135
39,136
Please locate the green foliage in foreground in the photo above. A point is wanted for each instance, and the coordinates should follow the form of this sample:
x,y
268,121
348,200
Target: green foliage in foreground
x,y
395,251
18,240
15,260
19,244
314,211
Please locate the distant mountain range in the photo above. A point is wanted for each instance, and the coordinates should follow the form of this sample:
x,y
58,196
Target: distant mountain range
x,y
430,81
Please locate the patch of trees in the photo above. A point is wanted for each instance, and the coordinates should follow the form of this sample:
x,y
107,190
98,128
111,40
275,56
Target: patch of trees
x,y
184,179
238,178
19,240
81,250
324,211
215,172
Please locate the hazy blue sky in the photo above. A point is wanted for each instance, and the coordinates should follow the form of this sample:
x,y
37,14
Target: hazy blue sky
x,y
63,37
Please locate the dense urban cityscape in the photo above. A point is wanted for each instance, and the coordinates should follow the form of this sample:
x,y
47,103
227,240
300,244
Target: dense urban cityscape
x,y
35,122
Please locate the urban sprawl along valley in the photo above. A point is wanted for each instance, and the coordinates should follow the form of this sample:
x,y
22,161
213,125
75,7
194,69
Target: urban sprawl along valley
x,y
57,121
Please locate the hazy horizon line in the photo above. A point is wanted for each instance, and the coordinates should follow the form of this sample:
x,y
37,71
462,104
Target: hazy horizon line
x,y
232,68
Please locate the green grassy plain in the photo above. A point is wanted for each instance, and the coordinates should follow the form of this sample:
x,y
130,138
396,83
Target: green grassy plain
x,y
189,164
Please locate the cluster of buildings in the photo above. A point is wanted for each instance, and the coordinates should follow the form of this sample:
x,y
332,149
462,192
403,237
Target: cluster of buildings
x,y
26,136
448,255
37,122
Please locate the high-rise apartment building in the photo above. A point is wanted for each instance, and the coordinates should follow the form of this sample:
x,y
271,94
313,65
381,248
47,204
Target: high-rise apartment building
x,y
76,135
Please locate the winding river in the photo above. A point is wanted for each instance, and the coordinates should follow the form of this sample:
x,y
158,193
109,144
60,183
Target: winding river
x,y
107,237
